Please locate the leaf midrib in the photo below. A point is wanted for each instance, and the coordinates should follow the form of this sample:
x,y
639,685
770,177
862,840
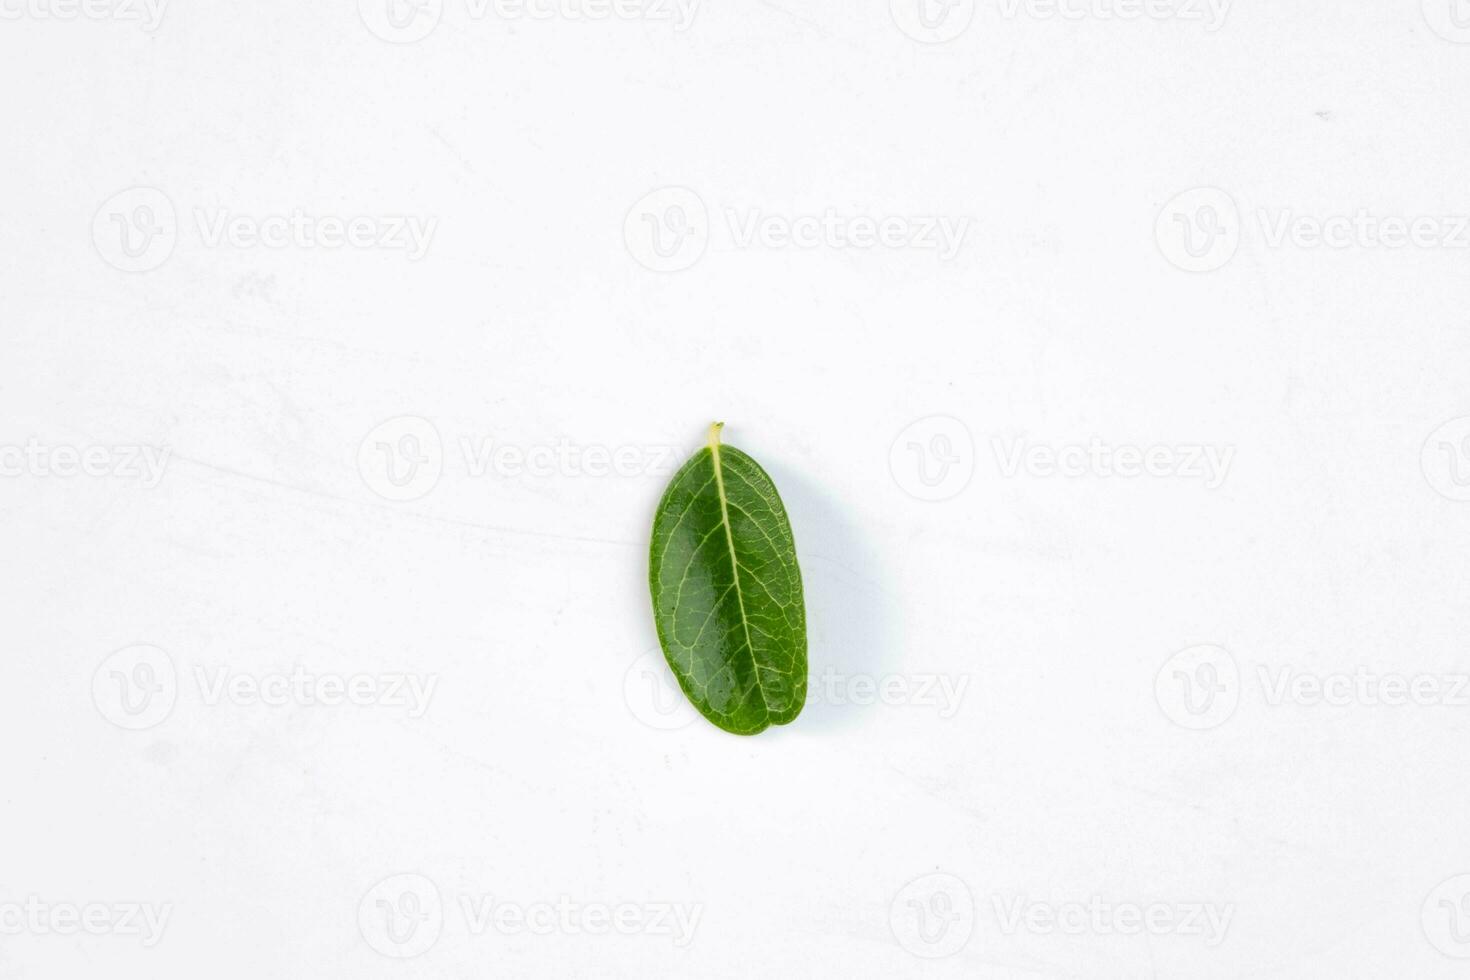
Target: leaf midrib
x,y
755,669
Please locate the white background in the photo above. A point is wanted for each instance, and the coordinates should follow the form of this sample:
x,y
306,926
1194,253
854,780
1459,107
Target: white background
x,y
883,839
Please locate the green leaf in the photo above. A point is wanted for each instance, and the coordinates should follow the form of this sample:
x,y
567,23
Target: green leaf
x,y
727,595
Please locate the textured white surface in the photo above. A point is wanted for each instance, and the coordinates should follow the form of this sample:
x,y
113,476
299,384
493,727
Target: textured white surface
x,y
1026,639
